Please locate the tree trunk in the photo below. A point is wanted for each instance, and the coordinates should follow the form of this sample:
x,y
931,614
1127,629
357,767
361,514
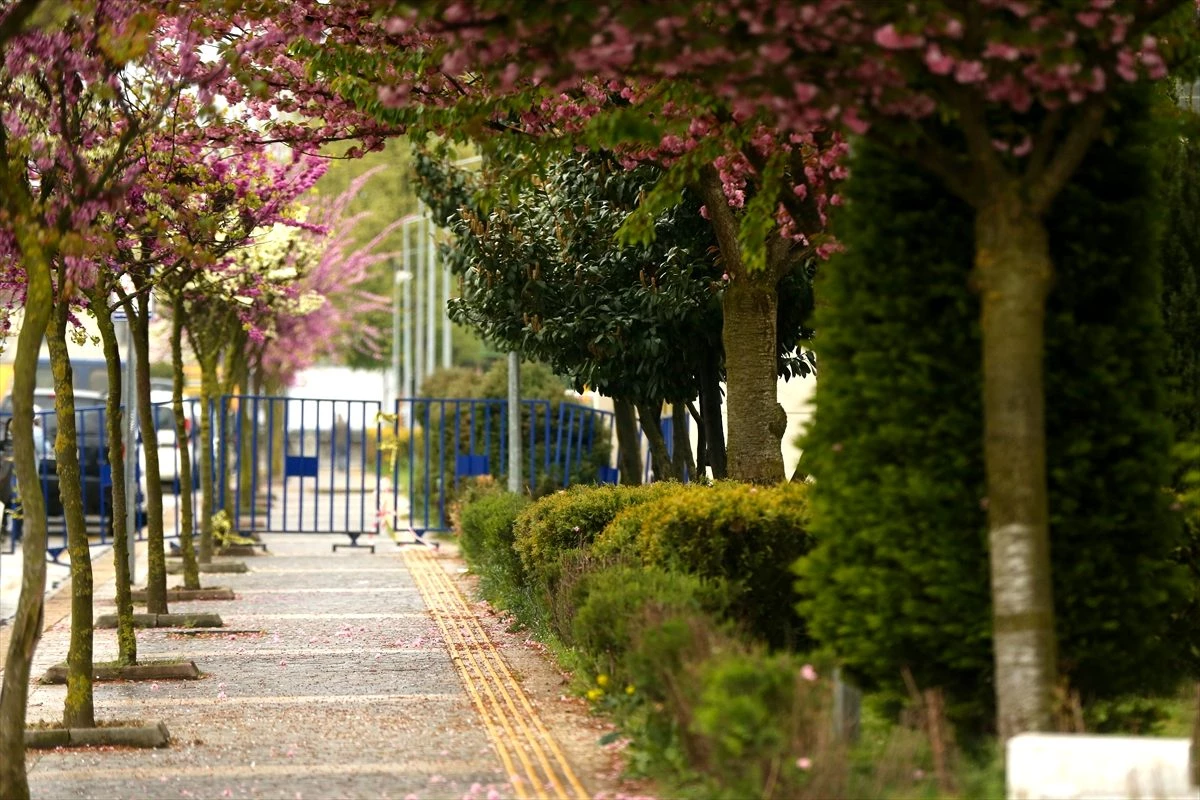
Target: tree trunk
x,y
27,625
126,634
710,414
650,416
1013,271
187,514
756,420
629,445
681,443
78,709
156,581
208,393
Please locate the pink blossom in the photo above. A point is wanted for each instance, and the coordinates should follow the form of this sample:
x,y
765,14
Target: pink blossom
x,y
804,763
969,72
1088,19
889,38
808,672
1002,51
775,52
938,62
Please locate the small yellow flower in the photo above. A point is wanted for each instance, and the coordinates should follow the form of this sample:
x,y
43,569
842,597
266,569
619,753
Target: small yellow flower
x,y
602,680
629,689
595,694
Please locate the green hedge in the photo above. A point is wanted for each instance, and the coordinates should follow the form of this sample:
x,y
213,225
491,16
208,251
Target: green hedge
x,y
572,518
900,576
746,535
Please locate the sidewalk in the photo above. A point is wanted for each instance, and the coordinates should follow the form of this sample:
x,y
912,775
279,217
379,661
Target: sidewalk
x,y
337,675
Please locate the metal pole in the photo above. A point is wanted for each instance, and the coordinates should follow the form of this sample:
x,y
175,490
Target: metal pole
x,y
514,422
410,387
418,363
431,293
131,449
396,382
447,344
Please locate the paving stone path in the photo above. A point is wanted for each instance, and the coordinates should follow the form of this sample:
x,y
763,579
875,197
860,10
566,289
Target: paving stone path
x,y
336,675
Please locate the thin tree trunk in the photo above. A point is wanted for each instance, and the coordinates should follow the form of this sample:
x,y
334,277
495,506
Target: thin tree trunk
x,y
1013,270
187,514
710,414
756,420
78,709
27,625
126,634
629,445
208,392
681,443
650,416
156,581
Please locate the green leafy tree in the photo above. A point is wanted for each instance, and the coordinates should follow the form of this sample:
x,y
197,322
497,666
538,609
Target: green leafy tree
x,y
542,272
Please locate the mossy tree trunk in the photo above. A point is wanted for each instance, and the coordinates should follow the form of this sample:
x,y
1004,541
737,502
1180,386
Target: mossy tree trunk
x,y
750,306
79,708
137,309
756,420
114,422
187,514
629,446
1013,271
27,625
209,387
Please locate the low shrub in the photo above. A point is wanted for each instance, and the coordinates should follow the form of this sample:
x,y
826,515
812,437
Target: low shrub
x,y
572,518
615,604
486,527
746,535
757,723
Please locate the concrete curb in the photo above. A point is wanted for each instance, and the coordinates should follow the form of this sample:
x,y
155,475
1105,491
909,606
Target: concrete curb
x,y
145,736
164,621
150,671
217,567
189,595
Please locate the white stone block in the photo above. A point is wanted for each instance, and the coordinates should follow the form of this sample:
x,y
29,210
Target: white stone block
x,y
1045,766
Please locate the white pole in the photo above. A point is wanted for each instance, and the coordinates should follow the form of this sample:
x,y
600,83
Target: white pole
x,y
447,343
418,362
396,381
431,293
514,422
131,449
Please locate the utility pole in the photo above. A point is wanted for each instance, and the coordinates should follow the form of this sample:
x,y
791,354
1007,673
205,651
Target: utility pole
x,y
417,363
431,294
131,445
514,421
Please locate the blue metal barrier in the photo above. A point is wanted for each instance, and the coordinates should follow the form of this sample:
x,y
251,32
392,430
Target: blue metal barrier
x,y
291,465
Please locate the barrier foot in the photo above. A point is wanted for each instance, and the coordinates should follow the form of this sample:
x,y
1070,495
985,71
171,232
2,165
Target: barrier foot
x,y
354,545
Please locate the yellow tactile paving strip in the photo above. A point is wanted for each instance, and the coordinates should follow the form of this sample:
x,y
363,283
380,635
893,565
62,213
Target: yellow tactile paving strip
x,y
535,764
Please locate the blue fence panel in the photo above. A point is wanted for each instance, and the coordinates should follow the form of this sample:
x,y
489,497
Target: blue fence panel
x,y
95,477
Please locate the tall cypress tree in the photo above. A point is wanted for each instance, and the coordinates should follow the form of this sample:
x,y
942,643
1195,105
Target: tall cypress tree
x,y
899,578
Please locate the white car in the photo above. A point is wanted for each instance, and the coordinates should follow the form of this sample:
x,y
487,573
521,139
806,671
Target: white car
x,y
168,445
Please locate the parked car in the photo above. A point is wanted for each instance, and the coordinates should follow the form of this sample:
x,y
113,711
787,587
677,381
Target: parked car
x,y
168,443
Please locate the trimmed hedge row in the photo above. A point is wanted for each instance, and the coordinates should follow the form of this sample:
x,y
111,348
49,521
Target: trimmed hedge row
x,y
670,595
